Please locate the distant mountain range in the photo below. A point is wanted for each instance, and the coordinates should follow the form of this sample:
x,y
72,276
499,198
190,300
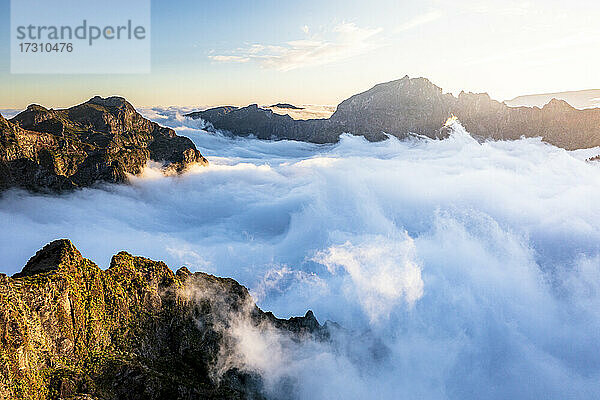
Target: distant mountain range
x,y
579,99
416,106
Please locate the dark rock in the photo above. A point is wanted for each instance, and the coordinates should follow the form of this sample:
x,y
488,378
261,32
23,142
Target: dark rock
x,y
213,113
265,124
397,108
52,256
183,273
101,140
416,106
134,331
287,105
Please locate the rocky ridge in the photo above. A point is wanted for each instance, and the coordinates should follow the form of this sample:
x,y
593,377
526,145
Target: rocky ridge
x,y
101,140
265,124
410,106
134,331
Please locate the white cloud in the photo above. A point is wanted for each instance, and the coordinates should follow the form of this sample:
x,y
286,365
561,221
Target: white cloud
x,y
419,20
503,236
382,271
349,41
343,41
231,58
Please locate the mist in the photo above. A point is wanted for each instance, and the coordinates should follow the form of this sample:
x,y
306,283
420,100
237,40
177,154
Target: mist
x,y
455,269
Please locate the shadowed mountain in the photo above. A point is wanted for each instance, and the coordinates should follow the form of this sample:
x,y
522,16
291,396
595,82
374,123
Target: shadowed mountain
x,y
103,139
265,124
416,106
286,105
134,331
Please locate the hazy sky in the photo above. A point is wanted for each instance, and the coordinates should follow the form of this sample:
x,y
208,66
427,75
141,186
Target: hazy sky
x,y
239,52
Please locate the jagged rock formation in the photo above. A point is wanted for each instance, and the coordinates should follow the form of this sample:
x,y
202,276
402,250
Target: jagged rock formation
x,y
416,106
396,108
134,331
265,124
103,139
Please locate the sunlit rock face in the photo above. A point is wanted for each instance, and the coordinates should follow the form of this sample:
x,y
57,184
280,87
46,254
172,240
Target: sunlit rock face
x,y
416,106
136,330
102,140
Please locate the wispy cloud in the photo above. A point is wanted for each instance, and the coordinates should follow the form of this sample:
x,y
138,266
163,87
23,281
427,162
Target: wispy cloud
x,y
419,20
513,9
545,48
348,41
237,59
343,41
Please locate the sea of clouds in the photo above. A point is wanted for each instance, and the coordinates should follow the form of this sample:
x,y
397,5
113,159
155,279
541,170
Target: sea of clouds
x,y
456,269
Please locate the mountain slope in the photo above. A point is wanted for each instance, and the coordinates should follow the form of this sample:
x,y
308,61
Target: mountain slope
x,y
266,124
134,331
99,140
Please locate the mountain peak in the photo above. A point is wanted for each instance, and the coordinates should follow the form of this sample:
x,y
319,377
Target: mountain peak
x,y
36,108
406,80
51,257
103,139
557,104
134,326
112,101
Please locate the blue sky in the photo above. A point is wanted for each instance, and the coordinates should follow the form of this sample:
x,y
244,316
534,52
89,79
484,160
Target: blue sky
x,y
239,52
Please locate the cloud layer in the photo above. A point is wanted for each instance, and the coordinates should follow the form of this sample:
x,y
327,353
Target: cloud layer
x,y
457,269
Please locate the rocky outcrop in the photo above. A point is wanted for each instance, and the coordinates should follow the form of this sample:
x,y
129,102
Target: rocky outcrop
x,y
134,331
416,106
556,123
396,108
103,139
265,124
286,105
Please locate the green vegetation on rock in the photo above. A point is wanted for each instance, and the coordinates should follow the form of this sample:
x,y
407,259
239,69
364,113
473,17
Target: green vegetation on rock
x,y
101,140
134,331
